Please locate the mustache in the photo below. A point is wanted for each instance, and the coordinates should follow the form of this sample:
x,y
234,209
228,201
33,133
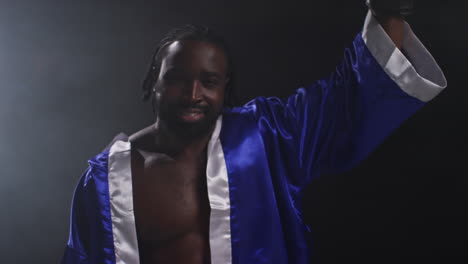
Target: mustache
x,y
203,106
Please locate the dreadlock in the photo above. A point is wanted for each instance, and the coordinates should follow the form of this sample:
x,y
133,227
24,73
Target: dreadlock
x,y
188,32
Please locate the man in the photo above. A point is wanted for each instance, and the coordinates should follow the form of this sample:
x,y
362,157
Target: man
x,y
211,184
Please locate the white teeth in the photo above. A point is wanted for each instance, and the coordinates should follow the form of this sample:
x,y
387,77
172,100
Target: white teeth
x,y
191,114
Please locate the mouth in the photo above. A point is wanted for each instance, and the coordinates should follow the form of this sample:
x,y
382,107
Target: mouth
x,y
191,115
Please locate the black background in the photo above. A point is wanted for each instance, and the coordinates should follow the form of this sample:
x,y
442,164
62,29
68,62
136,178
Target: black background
x,y
70,74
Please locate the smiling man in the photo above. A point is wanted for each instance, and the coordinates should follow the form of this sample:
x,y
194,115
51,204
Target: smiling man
x,y
172,209
207,183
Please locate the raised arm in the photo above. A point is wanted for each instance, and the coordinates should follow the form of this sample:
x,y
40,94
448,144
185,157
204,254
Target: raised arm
x,y
336,122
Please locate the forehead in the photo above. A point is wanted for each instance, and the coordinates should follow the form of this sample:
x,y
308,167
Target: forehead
x,y
195,55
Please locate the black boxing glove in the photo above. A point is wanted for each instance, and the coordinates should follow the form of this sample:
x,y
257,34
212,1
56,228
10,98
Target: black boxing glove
x,y
391,7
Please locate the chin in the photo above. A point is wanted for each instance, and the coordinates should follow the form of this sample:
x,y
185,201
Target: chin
x,y
194,128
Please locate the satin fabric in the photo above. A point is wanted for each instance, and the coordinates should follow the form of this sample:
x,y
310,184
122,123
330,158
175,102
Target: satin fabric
x,y
91,237
121,203
274,147
218,196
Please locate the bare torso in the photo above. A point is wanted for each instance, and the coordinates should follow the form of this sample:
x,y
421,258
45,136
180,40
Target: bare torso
x,y
171,208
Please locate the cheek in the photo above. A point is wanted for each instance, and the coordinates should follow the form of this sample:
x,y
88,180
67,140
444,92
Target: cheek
x,y
162,96
165,92
215,98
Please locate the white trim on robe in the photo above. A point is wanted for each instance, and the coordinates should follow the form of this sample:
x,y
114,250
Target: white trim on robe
x,y
121,204
218,194
418,75
122,211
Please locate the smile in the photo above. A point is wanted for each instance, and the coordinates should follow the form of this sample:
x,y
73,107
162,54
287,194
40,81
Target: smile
x,y
192,115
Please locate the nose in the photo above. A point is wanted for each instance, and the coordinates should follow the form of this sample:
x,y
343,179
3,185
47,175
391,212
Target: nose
x,y
195,90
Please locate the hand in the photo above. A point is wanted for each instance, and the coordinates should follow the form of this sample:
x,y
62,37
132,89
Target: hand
x,y
391,8
390,14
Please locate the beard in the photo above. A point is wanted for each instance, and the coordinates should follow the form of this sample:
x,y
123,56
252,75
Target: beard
x,y
178,116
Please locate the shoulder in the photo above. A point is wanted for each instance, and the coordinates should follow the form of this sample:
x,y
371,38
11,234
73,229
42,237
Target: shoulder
x,y
100,161
97,169
118,137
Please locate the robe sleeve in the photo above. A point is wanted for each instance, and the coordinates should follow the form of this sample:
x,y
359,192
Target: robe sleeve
x,y
78,241
336,122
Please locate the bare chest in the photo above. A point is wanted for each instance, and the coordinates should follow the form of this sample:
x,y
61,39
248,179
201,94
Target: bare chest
x,y
171,207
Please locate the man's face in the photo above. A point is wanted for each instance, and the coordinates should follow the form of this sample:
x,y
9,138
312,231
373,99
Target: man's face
x,y
190,87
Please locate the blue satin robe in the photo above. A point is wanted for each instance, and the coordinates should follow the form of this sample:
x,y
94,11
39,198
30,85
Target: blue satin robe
x,y
264,154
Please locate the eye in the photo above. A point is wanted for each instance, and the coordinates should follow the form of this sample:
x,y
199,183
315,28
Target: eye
x,y
210,82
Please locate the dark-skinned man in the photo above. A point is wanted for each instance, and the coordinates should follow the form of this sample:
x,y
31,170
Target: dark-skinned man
x,y
213,184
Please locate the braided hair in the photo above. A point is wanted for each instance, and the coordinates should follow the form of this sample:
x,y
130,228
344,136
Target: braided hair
x,y
188,32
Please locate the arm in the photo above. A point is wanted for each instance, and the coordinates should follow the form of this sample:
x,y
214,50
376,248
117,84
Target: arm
x,y
336,122
101,230
75,252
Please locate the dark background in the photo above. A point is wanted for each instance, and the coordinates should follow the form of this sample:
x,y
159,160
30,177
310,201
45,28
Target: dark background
x,y
70,74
